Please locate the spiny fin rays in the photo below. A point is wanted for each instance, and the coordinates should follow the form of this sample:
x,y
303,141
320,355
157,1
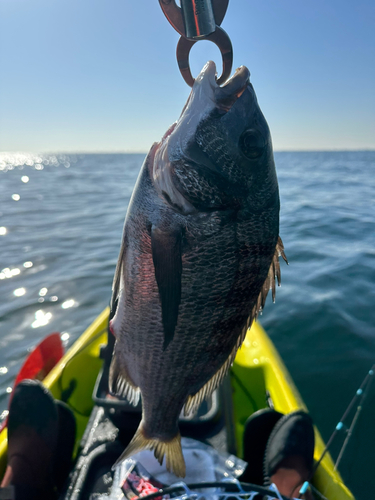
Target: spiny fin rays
x,y
170,449
195,400
270,282
120,384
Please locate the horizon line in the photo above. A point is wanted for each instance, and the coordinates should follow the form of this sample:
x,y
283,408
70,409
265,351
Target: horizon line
x,y
139,152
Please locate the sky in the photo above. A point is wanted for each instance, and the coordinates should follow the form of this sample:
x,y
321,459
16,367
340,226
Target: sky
x,y
102,75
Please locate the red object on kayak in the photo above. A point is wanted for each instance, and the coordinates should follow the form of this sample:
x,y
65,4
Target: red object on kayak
x,y
42,359
39,362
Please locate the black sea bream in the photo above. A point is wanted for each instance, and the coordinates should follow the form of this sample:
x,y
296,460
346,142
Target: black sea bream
x,y
200,251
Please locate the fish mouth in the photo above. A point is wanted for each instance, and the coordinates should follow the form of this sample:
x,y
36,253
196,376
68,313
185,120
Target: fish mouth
x,y
206,97
226,95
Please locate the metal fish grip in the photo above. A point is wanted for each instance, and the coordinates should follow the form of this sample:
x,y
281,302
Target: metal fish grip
x,y
199,20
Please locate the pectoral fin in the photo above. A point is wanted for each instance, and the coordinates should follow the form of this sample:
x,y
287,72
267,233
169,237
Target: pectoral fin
x,y
166,255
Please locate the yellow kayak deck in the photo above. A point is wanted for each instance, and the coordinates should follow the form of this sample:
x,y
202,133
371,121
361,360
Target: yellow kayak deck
x,y
257,366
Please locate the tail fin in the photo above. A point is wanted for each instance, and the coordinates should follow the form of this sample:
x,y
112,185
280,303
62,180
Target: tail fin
x,y
170,449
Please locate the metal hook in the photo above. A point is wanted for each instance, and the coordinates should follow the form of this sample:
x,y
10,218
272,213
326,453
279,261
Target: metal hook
x,y
219,38
174,13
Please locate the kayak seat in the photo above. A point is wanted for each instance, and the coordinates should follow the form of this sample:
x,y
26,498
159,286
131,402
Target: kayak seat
x,y
111,427
102,444
127,417
123,413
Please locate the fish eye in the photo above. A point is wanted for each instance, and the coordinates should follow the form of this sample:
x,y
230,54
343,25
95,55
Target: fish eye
x,y
252,143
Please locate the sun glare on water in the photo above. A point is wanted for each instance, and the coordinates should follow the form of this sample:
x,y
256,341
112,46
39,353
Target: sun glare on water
x,y
41,319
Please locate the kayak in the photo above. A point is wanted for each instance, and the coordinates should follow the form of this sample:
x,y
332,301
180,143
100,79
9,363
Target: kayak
x,y
258,379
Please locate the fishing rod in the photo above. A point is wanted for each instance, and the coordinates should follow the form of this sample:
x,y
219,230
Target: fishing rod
x,y
360,396
356,416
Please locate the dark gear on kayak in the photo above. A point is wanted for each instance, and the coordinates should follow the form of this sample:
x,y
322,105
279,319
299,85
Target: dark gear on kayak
x,y
42,433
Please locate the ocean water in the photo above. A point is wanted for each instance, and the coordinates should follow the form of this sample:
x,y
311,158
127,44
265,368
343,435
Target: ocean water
x,y
61,219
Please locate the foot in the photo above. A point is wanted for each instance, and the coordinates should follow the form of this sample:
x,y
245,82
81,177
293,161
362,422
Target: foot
x,y
289,454
290,476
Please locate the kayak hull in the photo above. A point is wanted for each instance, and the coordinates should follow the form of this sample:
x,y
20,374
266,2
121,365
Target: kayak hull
x,y
257,380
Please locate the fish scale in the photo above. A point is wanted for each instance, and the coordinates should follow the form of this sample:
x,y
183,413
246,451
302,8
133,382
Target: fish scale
x,y
197,258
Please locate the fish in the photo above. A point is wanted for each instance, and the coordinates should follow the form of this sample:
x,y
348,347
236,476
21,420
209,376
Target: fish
x,y
199,253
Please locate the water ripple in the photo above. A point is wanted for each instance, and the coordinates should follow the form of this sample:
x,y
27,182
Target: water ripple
x,y
60,240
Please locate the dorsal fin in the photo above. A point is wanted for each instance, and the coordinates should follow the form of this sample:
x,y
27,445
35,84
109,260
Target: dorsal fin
x,y
270,282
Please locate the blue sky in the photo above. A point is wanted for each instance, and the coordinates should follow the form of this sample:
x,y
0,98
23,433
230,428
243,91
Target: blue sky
x,y
95,75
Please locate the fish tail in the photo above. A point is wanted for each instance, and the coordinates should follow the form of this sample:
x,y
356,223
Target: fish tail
x,y
171,449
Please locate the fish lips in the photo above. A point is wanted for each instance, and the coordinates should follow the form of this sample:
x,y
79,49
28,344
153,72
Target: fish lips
x,y
207,94
205,98
226,95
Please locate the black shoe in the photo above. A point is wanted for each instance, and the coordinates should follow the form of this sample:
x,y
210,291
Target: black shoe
x,y
32,438
258,428
292,439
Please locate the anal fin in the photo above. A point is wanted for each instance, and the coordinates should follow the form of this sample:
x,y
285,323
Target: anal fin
x,y
120,384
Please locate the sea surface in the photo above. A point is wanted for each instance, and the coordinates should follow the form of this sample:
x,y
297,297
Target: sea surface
x,y
61,219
